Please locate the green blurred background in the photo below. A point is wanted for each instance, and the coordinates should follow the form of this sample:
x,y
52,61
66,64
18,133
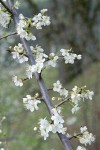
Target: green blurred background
x,y
74,24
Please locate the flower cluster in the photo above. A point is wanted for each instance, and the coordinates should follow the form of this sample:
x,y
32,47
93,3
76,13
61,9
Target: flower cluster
x,y
23,28
58,88
25,24
31,103
45,128
19,53
41,20
5,17
69,57
55,126
86,137
17,82
78,94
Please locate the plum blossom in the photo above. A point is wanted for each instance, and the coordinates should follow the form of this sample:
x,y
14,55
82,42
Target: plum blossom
x,y
18,82
57,86
52,60
78,94
17,4
41,20
5,17
64,92
19,53
86,137
22,27
75,109
31,103
45,128
69,57
58,121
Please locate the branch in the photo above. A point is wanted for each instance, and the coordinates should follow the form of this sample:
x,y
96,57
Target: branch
x,y
62,102
40,81
8,35
7,8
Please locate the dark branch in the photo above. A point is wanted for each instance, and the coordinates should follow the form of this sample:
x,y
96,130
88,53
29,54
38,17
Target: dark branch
x,y
7,8
8,35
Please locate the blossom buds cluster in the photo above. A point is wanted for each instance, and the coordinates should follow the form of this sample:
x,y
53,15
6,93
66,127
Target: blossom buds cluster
x,y
19,53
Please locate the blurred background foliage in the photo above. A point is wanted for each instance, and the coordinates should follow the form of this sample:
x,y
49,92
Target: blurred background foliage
x,y
74,24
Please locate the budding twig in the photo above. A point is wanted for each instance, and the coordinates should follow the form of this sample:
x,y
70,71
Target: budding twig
x,y
8,35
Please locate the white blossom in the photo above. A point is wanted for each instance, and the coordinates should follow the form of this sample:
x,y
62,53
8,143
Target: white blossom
x,y
33,68
45,128
75,96
38,67
69,57
80,148
29,71
19,53
52,60
4,17
64,92
31,103
83,129
88,94
78,94
55,126
22,27
23,58
58,121
57,86
39,53
41,20
86,138
18,82
17,4
75,109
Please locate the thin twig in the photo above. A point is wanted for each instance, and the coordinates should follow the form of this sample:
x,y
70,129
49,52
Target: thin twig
x,y
51,89
7,8
62,102
8,35
75,136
